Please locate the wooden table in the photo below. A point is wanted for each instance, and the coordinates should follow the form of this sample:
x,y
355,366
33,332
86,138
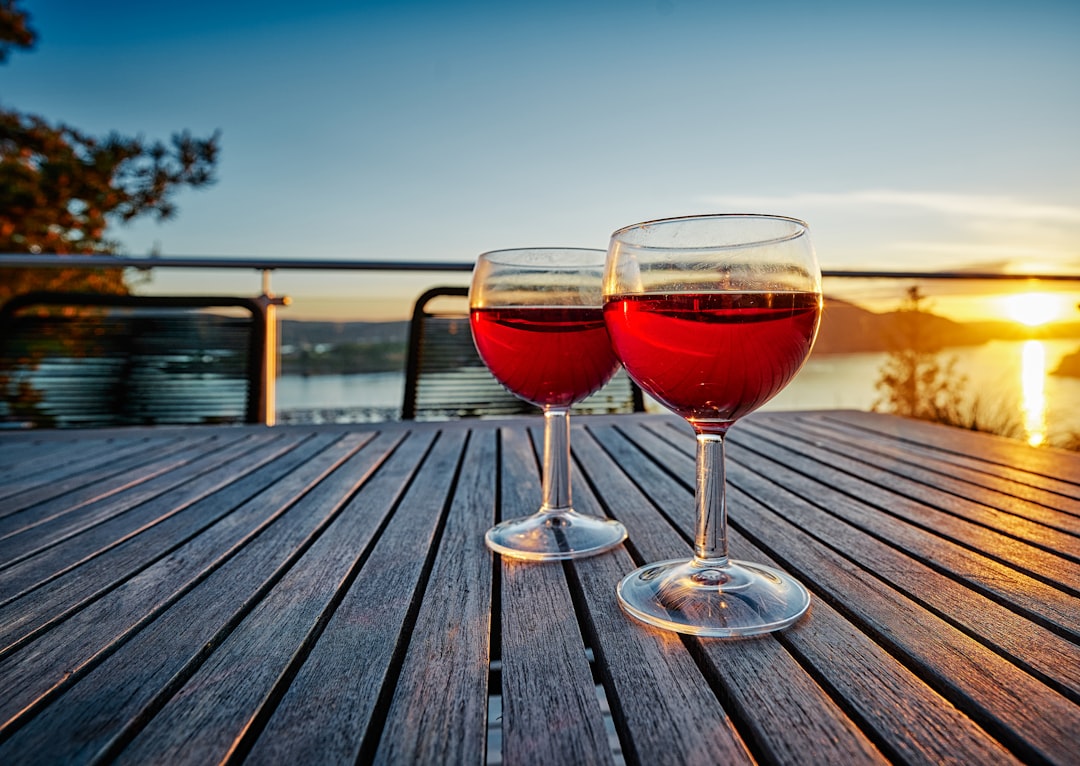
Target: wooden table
x,y
323,595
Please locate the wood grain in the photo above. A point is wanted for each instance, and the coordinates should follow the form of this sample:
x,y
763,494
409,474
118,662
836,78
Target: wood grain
x,y
550,710
323,594
438,713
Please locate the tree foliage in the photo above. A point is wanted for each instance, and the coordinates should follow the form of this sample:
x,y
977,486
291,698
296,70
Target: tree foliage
x,y
60,189
15,31
914,381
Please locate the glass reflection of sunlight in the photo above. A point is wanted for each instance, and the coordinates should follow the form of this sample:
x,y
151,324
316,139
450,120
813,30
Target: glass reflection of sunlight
x,y
1033,384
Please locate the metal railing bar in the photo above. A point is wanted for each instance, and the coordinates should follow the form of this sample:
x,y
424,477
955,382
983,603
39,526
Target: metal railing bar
x,y
228,262
956,275
324,264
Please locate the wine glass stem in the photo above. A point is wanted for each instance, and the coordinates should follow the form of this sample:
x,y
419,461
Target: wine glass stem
x,y
556,490
710,544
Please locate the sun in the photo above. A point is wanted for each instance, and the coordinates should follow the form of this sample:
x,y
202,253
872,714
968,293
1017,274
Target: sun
x,y
1034,309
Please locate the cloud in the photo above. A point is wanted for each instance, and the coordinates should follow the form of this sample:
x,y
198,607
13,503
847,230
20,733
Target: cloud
x,y
930,229
1019,258
1004,252
944,203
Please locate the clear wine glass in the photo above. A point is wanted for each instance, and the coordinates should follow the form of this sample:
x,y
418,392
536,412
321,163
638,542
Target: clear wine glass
x,y
537,321
712,315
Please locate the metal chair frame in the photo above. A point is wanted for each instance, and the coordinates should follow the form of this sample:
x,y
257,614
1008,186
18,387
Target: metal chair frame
x,y
15,316
499,401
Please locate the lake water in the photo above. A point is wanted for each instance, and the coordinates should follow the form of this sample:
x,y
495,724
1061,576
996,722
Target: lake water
x,y
1011,376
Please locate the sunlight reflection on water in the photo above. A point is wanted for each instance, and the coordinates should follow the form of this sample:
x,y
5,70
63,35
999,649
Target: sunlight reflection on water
x,y
1033,391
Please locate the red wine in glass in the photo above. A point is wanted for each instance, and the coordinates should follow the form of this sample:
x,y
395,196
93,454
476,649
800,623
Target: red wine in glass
x,y
714,357
547,355
537,320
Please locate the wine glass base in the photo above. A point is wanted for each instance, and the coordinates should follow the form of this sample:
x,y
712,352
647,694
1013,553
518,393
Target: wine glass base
x,y
740,599
554,535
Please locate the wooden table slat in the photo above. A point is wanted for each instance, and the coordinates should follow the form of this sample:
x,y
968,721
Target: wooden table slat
x,y
1052,493
983,683
655,684
1033,509
890,548
800,718
550,708
105,478
347,667
185,469
1033,548
1056,465
438,713
46,470
88,565
23,454
323,594
797,704
171,627
913,724
266,645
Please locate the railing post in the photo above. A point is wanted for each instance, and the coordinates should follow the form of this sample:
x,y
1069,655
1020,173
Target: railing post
x,y
269,305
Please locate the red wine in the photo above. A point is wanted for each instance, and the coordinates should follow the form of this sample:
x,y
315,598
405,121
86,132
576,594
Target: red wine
x,y
713,357
547,355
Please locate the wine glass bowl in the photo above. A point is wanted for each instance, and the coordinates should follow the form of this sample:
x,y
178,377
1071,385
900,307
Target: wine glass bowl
x,y
683,345
712,316
537,322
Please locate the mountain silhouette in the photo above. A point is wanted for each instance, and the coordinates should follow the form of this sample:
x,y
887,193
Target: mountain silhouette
x,y
847,328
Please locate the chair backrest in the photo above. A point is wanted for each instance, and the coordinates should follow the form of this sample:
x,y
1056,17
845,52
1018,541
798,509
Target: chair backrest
x,y
86,359
445,377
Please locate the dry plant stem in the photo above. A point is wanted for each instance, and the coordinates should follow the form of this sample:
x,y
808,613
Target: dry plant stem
x,y
710,544
556,478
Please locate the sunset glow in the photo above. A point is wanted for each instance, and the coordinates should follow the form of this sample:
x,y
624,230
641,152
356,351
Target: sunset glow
x,y
1037,308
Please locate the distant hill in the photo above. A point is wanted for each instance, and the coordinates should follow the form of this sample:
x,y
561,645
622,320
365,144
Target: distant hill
x,y
847,328
301,334
342,348
1069,365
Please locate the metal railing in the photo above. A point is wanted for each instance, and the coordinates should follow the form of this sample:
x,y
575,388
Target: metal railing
x,y
270,302
329,264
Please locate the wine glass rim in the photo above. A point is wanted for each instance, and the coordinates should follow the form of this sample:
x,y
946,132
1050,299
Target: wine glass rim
x,y
801,229
496,255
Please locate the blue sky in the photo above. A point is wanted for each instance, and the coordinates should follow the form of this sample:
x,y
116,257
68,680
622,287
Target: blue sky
x,y
913,134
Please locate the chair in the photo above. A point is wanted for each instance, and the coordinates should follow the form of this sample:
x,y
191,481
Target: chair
x,y
82,359
445,377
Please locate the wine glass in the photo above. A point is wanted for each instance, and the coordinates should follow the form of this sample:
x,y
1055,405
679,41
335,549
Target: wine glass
x,y
537,321
712,315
